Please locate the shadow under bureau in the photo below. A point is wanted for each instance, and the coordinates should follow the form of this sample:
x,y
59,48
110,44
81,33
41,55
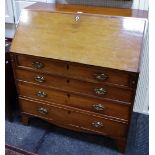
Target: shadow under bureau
x,y
78,71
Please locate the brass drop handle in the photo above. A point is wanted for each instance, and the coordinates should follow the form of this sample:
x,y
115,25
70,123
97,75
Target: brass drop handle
x,y
41,94
39,79
100,91
37,65
97,124
98,107
42,110
101,77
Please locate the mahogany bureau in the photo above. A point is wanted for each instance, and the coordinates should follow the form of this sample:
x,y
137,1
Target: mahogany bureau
x,y
78,71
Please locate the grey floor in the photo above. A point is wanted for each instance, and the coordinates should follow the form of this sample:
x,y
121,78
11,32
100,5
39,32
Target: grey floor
x,y
46,139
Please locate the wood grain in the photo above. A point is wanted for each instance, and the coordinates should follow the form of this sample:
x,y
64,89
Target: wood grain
x,y
113,109
72,117
78,87
72,99
73,70
88,41
71,53
88,9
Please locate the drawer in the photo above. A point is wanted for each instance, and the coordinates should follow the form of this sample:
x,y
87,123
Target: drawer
x,y
78,71
92,89
103,75
105,107
73,118
41,64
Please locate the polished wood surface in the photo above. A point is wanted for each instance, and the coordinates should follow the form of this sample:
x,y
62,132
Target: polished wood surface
x,y
78,70
73,117
68,92
88,40
111,108
88,9
88,89
72,70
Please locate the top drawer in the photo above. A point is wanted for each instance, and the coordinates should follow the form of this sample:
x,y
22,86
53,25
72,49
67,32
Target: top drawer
x,y
77,71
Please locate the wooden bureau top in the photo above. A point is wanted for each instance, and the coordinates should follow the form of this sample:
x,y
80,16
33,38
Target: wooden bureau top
x,y
40,6
106,41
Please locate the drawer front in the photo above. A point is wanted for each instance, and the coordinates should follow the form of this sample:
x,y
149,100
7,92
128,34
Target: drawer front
x,y
103,75
41,64
73,118
92,89
78,71
109,108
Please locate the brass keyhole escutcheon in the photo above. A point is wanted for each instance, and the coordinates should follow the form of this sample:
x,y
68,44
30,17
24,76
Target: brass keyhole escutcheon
x,y
68,95
68,81
67,66
69,112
